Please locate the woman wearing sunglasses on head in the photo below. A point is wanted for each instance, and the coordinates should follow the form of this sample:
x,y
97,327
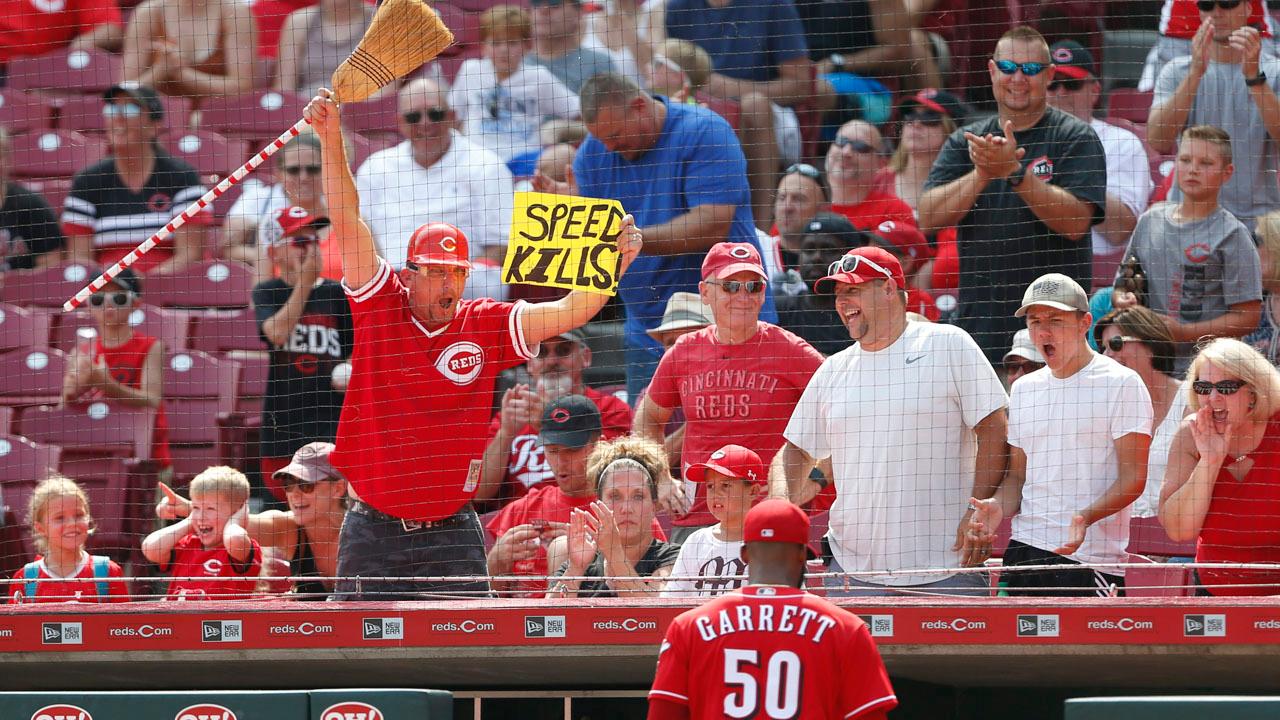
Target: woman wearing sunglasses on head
x,y
117,364
1223,482
1138,339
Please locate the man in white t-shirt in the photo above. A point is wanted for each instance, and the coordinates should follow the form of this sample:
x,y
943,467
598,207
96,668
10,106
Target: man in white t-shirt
x,y
437,175
1075,89
907,422
1079,430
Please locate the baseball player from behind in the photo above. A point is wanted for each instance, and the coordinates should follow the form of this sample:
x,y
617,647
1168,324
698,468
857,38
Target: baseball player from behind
x,y
416,416
770,649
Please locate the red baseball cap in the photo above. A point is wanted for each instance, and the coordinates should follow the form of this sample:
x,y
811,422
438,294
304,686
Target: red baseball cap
x,y
732,461
906,238
287,222
727,258
861,265
439,243
777,521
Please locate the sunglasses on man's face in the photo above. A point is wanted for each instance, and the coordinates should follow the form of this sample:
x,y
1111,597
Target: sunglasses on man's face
x,y
1068,85
1030,69
560,350
296,170
804,169
435,115
1224,387
928,118
733,287
1206,6
858,146
112,299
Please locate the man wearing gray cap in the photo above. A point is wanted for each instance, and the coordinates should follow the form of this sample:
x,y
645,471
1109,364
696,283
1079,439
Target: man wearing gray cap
x,y
1023,358
1079,430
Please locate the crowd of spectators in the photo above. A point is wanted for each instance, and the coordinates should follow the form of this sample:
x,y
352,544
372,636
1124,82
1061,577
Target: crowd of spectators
x,y
893,328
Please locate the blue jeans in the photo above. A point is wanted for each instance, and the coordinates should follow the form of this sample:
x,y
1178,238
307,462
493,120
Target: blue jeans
x,y
642,363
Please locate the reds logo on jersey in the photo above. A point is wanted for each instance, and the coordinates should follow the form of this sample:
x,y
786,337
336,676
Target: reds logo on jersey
x,y
461,362
1042,168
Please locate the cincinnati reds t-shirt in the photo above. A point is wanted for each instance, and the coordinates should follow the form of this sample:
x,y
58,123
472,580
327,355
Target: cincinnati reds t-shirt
x,y
766,651
741,394
416,416
226,578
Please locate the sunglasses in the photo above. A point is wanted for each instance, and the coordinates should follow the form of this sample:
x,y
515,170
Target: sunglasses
x,y
804,169
1021,368
115,299
1224,387
560,350
435,115
928,118
1117,342
857,146
291,483
1205,6
851,263
733,287
296,170
1030,69
127,110
1068,85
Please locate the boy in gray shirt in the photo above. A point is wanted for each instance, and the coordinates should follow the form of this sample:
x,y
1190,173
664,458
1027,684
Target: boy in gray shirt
x,y
1201,267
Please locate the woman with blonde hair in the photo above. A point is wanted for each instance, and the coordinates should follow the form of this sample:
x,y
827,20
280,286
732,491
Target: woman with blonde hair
x,y
1222,485
1264,338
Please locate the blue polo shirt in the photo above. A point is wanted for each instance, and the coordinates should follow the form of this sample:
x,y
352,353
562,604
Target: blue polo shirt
x,y
746,39
696,161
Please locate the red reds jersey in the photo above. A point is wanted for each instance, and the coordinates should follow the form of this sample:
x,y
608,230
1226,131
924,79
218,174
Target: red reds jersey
x,y
80,586
876,208
770,652
227,579
416,416
742,394
34,27
1181,18
527,465
545,503
125,362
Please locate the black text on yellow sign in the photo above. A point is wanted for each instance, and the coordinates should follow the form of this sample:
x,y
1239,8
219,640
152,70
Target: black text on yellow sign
x,y
564,241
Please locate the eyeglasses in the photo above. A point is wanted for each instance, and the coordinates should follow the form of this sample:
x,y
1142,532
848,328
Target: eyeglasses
x,y
127,110
1068,85
115,299
1224,387
1208,5
1117,342
435,115
851,263
296,170
857,146
733,287
560,350
804,169
928,118
1030,69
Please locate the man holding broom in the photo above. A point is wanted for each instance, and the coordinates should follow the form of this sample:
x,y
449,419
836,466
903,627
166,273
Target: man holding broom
x,y
425,361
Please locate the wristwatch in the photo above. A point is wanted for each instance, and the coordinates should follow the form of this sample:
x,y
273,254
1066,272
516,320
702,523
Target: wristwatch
x,y
1016,177
1256,80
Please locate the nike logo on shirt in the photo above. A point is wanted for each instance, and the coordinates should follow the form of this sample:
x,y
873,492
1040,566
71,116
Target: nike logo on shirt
x,y
911,360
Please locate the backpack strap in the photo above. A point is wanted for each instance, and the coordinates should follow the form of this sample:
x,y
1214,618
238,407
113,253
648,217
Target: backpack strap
x,y
101,571
30,572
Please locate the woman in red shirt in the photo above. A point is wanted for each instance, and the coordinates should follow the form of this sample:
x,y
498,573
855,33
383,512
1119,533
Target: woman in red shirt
x,y
1222,484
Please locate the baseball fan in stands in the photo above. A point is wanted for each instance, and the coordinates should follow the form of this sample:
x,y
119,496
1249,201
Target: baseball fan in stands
x,y
855,160
198,50
414,423
825,238
30,238
770,648
800,196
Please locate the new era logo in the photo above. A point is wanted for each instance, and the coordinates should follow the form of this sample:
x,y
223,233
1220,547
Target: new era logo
x,y
220,631
879,625
544,626
383,628
61,634
1037,626
1204,625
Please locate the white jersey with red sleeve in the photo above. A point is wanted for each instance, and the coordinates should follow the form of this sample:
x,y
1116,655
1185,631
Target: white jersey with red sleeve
x,y
771,652
416,415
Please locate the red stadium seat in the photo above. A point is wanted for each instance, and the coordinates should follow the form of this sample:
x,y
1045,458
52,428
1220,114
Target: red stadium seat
x,y
465,25
66,72
6,419
209,284
54,191
1130,104
20,112
373,116
46,288
226,333
1147,537
97,427
259,116
199,388
22,328
31,377
1156,579
168,326
208,152
83,113
54,153
23,464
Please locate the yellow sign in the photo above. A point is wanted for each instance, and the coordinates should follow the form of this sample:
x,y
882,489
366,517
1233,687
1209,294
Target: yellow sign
x,y
564,241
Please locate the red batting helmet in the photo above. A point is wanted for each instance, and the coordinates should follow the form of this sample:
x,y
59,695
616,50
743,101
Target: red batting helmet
x,y
438,243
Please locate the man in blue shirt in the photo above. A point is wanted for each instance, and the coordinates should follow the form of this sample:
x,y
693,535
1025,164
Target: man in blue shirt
x,y
680,171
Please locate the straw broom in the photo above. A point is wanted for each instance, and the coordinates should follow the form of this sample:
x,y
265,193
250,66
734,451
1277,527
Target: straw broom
x,y
404,34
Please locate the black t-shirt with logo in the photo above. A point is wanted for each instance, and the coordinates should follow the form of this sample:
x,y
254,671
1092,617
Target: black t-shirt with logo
x,y
301,405
28,228
100,203
1003,245
817,324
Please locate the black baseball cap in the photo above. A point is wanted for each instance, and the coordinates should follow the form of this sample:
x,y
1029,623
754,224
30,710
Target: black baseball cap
x,y
144,95
835,224
572,421
933,100
128,280
1072,60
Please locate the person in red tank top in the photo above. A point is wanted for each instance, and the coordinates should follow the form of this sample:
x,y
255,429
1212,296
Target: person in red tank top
x,y
1222,486
120,365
